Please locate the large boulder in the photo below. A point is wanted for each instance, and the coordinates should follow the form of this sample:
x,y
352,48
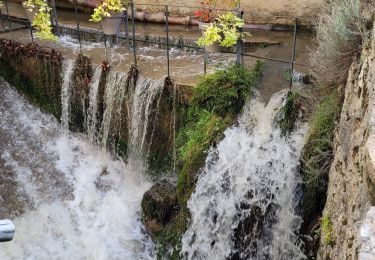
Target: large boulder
x,y
159,205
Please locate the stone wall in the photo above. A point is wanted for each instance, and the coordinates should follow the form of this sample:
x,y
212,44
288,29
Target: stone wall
x,y
255,11
351,190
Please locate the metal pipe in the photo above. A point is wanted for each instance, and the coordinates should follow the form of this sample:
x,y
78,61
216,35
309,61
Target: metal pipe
x,y
293,54
167,28
134,41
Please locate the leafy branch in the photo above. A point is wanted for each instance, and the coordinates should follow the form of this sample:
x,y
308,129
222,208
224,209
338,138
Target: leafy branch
x,y
225,30
106,7
42,18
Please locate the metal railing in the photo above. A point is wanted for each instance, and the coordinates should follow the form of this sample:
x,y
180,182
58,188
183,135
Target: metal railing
x,y
239,47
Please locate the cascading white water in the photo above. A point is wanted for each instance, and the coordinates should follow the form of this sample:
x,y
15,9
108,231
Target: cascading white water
x,y
145,93
81,203
244,203
92,116
114,94
67,72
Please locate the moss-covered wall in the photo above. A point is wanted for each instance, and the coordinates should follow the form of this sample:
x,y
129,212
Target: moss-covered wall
x,y
35,71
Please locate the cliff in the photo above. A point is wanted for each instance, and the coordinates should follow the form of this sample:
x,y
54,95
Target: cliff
x,y
347,220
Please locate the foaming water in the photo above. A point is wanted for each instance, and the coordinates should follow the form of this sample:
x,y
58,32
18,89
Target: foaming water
x,y
92,114
244,203
67,72
116,88
81,202
146,92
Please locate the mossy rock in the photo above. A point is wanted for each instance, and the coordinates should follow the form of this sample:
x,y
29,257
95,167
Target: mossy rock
x,y
290,112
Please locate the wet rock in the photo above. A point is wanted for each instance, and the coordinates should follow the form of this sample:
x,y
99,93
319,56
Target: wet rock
x,y
159,205
254,227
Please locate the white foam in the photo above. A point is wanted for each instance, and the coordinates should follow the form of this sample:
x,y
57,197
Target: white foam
x,y
84,204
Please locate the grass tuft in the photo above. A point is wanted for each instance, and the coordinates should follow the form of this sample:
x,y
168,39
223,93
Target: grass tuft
x,y
340,34
318,154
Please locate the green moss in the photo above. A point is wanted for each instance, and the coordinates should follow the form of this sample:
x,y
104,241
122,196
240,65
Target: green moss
x,y
290,112
318,155
42,87
168,241
200,135
327,229
121,147
225,91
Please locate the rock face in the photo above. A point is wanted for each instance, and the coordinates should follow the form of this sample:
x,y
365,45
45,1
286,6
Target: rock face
x,y
159,205
351,190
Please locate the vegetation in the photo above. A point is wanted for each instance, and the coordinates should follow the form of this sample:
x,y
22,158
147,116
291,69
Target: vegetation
x,y
224,30
35,71
42,18
290,112
216,101
341,32
327,229
106,7
318,155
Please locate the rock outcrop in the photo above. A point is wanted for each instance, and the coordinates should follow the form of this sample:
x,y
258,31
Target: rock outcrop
x,y
351,191
159,205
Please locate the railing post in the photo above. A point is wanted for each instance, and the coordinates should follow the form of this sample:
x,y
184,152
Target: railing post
x,y
167,28
293,54
205,60
31,33
134,44
127,28
77,22
240,44
2,21
7,10
54,17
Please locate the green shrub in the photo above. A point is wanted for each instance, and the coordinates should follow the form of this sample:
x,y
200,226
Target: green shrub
x,y
318,154
340,33
225,91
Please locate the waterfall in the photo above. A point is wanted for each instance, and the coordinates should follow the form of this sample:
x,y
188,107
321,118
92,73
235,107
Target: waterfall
x,y
68,198
92,116
245,198
115,91
143,109
67,72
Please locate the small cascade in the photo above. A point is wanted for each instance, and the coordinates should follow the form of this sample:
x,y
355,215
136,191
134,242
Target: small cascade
x,y
245,198
145,102
92,117
115,91
67,72
67,198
